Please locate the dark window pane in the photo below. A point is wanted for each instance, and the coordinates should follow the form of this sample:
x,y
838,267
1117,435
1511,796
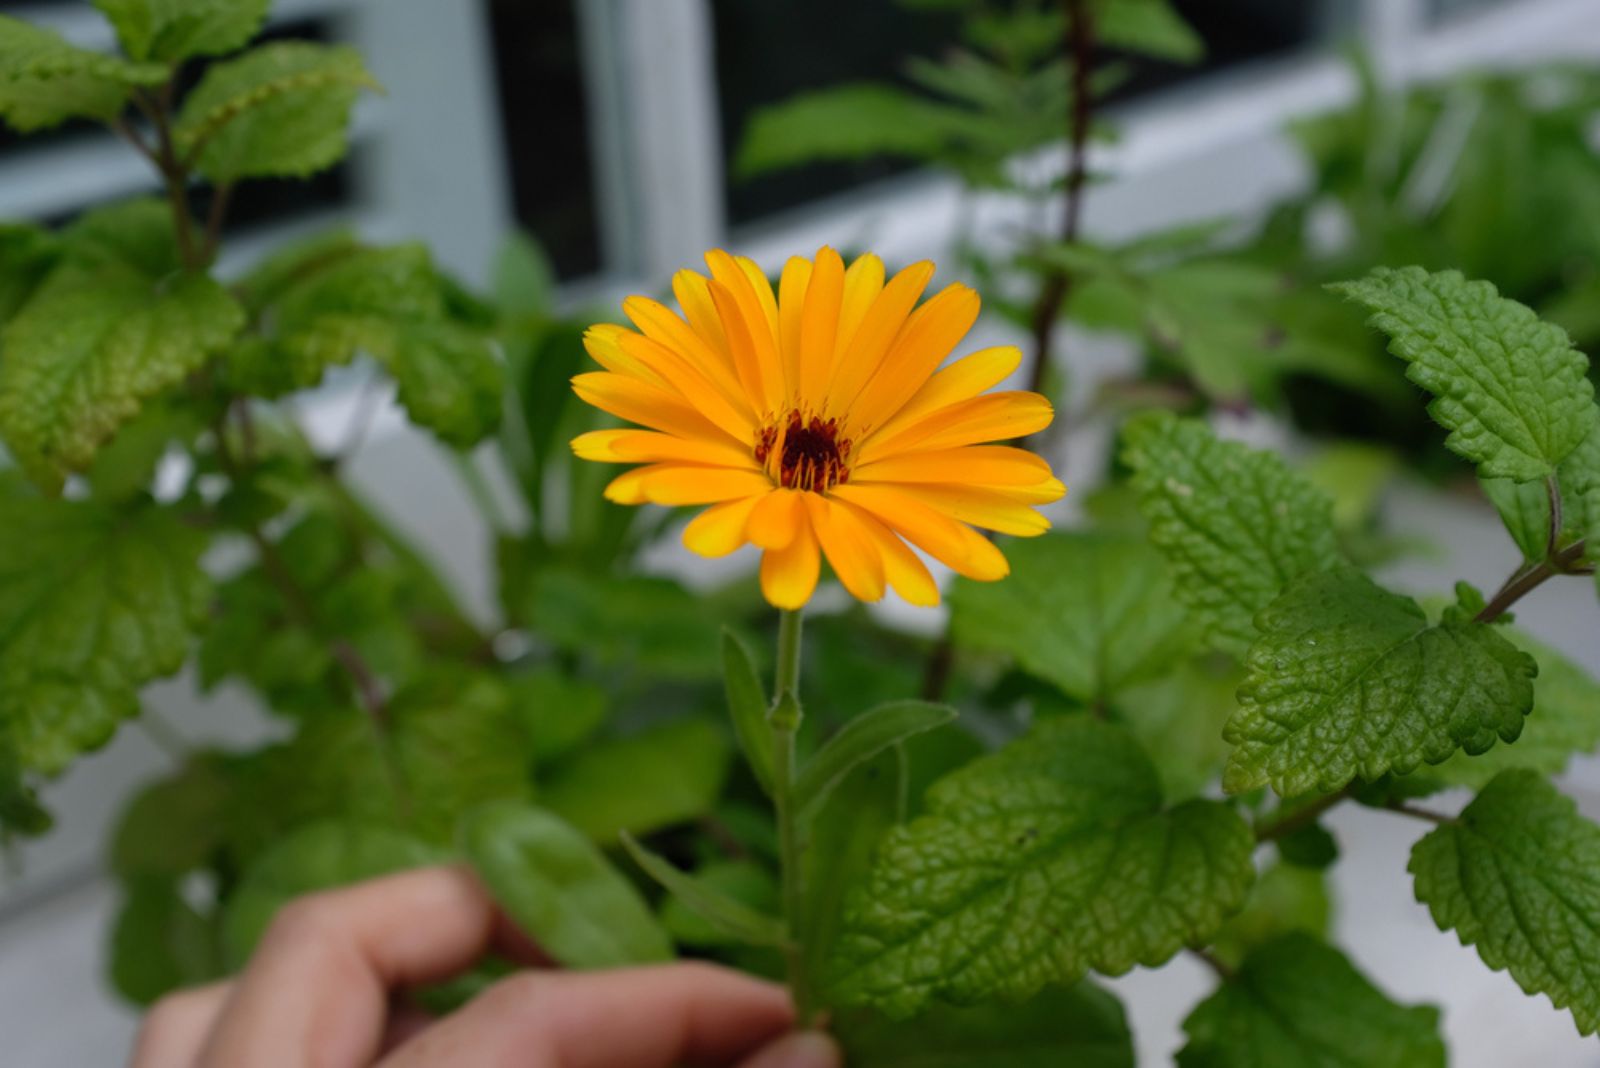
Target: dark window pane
x,y
538,61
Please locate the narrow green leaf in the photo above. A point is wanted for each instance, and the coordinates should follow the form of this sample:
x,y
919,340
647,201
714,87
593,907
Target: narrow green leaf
x,y
1092,613
1148,27
172,30
729,916
747,705
44,80
94,603
560,890
1518,876
748,882
844,122
319,857
1034,865
861,739
1236,524
1080,1025
1349,679
280,110
1298,1001
659,777
1513,392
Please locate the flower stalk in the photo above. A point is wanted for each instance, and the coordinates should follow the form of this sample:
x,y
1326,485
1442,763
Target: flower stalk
x,y
784,718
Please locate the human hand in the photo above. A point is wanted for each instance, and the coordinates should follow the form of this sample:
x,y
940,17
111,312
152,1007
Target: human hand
x,y
318,991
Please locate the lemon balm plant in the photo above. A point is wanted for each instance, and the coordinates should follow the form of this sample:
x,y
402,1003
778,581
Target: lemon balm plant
x,y
1149,716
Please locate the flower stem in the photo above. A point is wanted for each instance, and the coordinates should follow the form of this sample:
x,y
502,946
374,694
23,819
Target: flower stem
x,y
784,719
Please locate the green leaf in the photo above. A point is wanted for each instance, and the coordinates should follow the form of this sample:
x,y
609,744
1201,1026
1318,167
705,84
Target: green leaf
x,y
1285,898
747,706
1092,613
94,603
1033,865
1349,679
558,713
1178,719
1518,876
524,279
172,30
1080,1025
861,739
559,889
1148,27
1565,720
639,623
1512,391
1236,524
277,111
20,811
335,299
747,882
1524,507
26,255
44,80
844,122
92,344
172,826
661,776
160,943
1299,1001
725,914
318,857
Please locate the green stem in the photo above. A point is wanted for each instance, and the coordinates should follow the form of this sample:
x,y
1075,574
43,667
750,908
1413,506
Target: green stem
x,y
784,718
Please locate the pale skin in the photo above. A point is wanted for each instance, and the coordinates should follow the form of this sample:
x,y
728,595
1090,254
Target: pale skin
x,y
320,992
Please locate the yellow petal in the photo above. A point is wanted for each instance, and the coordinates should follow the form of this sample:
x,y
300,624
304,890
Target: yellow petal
x,y
792,287
866,349
851,553
648,405
973,465
962,380
930,334
991,417
601,341
752,335
789,575
862,284
954,544
658,323
675,484
776,518
720,529
693,291
731,413
628,446
903,569
991,511
819,326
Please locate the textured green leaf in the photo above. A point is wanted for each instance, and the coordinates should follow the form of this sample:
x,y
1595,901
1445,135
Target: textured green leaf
x,y
1565,721
1235,523
747,707
1518,876
171,30
1080,1025
845,122
45,81
859,740
1349,679
280,110
1178,719
656,778
90,346
319,857
1525,506
335,299
94,603
159,943
1513,392
1149,27
1033,865
1091,613
723,912
1298,1001
559,889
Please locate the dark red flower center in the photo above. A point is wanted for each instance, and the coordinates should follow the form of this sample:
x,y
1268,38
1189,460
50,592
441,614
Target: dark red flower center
x,y
805,454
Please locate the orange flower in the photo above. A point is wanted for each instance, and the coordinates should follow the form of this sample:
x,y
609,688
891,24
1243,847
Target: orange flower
x,y
818,422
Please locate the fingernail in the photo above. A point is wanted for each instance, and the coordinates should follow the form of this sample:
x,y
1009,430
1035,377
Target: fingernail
x,y
808,1049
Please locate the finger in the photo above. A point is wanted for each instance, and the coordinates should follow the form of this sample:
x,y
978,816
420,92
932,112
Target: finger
x,y
808,1049
318,985
652,1017
176,1027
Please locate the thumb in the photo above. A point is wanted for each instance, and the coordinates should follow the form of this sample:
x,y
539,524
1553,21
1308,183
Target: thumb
x,y
805,1049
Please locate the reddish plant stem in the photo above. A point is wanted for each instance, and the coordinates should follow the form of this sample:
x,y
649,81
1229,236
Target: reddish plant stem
x,y
1529,578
